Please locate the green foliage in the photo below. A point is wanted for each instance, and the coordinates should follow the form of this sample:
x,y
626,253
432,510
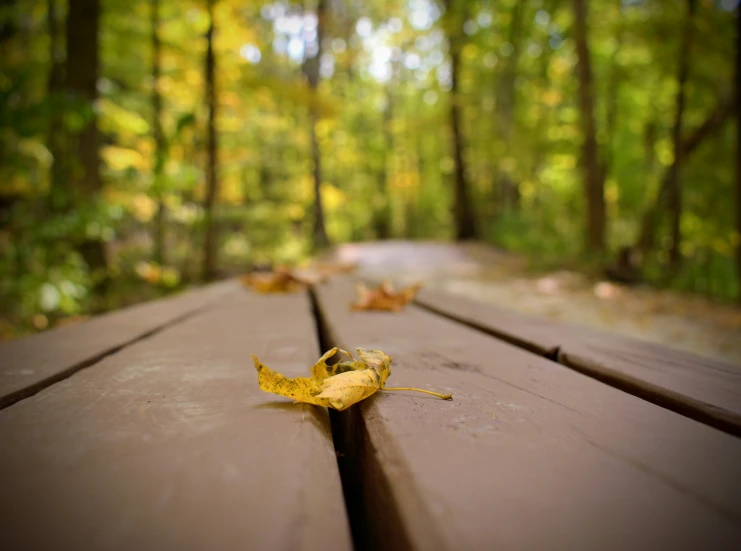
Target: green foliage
x,y
383,132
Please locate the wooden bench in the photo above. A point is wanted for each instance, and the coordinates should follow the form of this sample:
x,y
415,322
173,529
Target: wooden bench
x,y
146,429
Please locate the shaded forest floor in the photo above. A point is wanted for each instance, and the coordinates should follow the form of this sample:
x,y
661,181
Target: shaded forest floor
x,y
484,273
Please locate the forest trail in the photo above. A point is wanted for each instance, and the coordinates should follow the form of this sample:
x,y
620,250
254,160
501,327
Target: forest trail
x,y
487,274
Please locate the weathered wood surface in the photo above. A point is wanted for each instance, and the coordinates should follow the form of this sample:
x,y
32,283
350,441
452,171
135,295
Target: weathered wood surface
x,y
30,364
529,454
170,444
705,389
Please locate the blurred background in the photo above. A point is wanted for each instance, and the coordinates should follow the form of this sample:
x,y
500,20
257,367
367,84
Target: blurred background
x,y
584,152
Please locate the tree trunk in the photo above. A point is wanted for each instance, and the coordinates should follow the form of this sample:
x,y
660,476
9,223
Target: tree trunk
x,y
382,218
593,175
613,89
212,184
738,149
509,191
546,112
159,138
82,66
463,214
649,146
674,187
58,197
647,233
319,232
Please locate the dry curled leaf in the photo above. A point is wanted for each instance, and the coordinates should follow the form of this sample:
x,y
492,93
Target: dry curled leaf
x,y
384,297
337,386
281,280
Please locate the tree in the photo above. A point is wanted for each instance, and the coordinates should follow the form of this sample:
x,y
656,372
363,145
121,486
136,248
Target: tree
x,y
508,189
646,238
738,151
673,183
159,136
382,213
463,213
82,70
55,83
613,87
594,184
319,232
212,184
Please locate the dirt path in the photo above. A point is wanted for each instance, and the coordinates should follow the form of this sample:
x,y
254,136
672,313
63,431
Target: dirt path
x,y
487,274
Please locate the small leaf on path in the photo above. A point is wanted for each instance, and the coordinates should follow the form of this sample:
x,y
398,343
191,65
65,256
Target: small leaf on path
x,y
384,297
337,386
282,280
285,280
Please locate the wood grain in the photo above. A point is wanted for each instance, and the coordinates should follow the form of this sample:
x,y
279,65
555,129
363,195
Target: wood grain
x,y
703,389
170,444
33,363
529,454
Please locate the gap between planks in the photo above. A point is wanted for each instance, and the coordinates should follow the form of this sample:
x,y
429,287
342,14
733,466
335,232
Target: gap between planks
x,y
384,495
665,398
372,511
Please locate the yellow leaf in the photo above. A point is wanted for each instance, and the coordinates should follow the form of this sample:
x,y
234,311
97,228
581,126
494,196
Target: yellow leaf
x,y
384,297
337,386
345,389
281,280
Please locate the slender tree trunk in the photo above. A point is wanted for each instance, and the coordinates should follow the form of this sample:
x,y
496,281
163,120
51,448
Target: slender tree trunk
x,y
593,182
159,138
58,196
546,112
738,148
463,213
647,233
613,89
82,66
8,30
264,173
9,24
649,146
319,232
382,218
673,183
509,191
212,184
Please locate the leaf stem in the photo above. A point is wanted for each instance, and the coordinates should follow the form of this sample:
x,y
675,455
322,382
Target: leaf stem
x,y
443,396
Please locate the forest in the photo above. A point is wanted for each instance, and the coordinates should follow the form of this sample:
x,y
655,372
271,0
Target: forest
x,y
149,145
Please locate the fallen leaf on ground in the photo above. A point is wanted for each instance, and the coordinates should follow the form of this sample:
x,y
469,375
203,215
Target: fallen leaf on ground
x,y
384,297
336,386
281,280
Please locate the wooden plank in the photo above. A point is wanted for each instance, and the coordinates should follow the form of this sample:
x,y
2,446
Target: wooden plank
x,y
170,444
704,389
528,454
33,363
534,334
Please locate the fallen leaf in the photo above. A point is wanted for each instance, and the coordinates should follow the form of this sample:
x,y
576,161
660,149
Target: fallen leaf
x,y
384,297
281,280
337,386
